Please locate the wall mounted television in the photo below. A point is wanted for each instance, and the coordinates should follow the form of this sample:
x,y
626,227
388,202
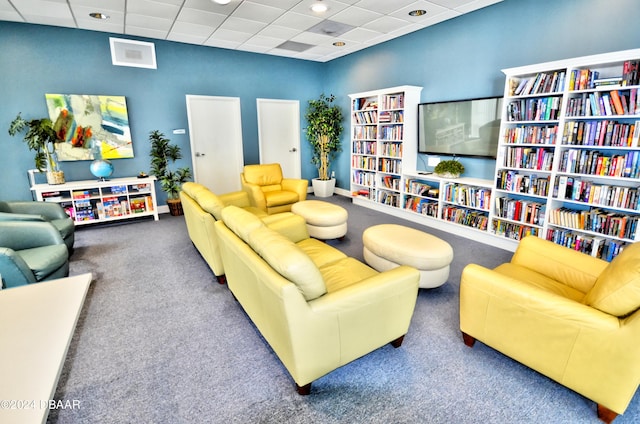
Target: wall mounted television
x,y
468,127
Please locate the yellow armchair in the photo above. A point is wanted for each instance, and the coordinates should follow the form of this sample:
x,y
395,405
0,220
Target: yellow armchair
x,y
572,317
269,191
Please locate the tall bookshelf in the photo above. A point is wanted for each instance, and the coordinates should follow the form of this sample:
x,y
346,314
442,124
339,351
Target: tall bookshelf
x,y
383,143
568,163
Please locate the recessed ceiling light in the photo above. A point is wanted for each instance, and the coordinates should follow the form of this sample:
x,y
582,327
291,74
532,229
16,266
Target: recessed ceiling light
x,y
418,12
339,43
319,7
222,2
98,15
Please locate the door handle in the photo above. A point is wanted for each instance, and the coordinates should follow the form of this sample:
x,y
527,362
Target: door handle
x,y
293,150
198,154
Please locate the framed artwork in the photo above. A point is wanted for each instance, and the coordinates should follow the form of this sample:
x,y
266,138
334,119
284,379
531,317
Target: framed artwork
x,y
91,127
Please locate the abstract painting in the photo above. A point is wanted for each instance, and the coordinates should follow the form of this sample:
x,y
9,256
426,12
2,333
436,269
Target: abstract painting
x,y
90,127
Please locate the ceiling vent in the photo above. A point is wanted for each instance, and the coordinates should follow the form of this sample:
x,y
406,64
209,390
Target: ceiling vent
x,y
294,46
330,28
138,54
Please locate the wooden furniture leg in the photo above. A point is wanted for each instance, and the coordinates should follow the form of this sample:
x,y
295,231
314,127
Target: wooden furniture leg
x,y
303,390
397,342
605,414
468,340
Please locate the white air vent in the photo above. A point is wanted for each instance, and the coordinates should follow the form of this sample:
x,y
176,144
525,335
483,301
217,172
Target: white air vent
x,y
138,54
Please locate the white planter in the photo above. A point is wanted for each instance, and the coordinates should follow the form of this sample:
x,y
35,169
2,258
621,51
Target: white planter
x,y
323,188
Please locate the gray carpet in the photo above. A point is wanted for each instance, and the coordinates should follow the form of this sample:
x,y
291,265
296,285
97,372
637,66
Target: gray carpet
x,y
159,341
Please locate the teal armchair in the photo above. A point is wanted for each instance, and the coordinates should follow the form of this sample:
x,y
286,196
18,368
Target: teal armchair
x,y
41,211
31,252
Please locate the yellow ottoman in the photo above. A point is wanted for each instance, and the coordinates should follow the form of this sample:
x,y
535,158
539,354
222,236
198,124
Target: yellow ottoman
x,y
387,246
325,220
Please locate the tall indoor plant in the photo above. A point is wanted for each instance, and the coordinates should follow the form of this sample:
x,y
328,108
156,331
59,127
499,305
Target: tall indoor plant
x,y
41,138
163,154
324,126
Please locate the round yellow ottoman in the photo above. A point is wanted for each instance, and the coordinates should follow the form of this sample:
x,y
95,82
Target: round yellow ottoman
x,y
387,246
325,220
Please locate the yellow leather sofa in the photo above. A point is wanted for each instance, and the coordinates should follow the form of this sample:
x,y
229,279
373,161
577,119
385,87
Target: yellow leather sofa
x,y
202,208
269,191
317,308
567,315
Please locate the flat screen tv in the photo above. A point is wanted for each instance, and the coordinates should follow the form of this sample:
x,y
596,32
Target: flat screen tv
x,y
460,127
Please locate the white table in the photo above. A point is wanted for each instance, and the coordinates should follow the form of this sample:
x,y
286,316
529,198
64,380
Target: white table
x,y
37,322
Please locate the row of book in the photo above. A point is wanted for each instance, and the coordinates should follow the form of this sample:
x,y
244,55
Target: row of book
x,y
391,116
363,162
473,197
388,198
364,147
466,217
583,79
85,194
421,205
598,247
393,101
515,182
110,207
528,158
531,134
392,166
512,230
391,149
365,133
390,182
598,221
114,190
421,189
601,133
365,103
594,162
586,191
544,82
524,211
366,117
363,178
534,109
600,103
631,72
392,132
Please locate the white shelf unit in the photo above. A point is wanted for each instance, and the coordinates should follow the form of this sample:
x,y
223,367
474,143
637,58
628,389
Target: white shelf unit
x,y
383,142
93,201
568,166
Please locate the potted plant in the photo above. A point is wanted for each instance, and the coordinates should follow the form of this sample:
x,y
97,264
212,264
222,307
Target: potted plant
x,y
41,138
163,154
449,168
324,126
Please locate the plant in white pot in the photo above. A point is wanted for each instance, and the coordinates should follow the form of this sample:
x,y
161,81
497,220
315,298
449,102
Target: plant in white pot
x,y
324,126
449,168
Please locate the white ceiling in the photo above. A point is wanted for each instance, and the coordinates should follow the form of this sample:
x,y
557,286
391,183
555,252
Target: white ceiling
x,y
258,26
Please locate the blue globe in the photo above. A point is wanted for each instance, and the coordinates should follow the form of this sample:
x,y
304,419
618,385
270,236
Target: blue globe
x,y
101,168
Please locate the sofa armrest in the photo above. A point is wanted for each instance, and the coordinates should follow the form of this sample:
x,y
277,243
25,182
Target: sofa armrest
x,y
10,216
236,198
478,282
256,196
570,267
296,185
19,235
14,270
49,210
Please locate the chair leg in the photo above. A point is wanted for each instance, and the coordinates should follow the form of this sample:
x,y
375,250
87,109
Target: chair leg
x,y
397,342
222,279
468,340
605,414
303,390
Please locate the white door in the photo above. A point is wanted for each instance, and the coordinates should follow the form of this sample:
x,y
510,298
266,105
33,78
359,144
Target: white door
x,y
279,134
215,130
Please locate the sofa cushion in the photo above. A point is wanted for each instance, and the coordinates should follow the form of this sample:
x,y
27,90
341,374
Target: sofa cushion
x,y
205,198
345,272
288,260
240,221
279,198
617,289
264,175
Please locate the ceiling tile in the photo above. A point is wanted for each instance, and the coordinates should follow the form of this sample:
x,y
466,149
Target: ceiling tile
x,y
258,12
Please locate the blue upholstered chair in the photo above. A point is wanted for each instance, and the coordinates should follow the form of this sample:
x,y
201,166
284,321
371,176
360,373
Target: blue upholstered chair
x,y
40,211
30,252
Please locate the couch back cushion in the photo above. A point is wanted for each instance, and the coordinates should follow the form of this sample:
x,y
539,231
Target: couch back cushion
x,y
288,260
241,222
617,289
268,176
205,198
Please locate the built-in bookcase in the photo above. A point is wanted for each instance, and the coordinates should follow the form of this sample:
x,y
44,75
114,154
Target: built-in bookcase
x,y
568,160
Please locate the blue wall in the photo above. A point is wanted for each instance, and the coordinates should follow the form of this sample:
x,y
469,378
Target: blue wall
x,y
456,59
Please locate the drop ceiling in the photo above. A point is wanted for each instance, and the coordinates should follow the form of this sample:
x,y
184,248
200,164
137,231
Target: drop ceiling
x,y
276,27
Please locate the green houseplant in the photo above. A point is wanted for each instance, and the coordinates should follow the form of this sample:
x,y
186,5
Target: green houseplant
x,y
41,138
324,126
449,168
163,154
